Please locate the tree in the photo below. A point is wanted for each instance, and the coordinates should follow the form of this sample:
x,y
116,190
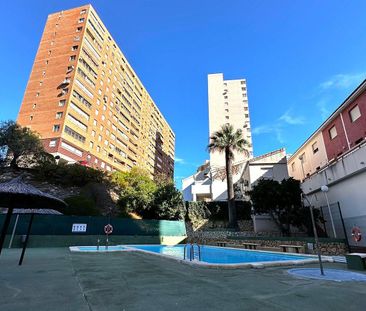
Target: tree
x,y
282,201
80,205
167,203
136,190
19,143
227,140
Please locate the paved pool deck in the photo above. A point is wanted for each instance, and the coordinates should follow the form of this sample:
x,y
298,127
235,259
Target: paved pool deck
x,y
56,279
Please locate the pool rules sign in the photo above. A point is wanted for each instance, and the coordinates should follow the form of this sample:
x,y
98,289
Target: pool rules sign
x,y
79,227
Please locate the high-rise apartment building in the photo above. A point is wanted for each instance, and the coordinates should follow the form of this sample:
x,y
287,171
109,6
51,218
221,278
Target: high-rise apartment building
x,y
228,103
88,104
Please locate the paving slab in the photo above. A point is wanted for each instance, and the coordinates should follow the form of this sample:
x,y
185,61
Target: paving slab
x,y
55,279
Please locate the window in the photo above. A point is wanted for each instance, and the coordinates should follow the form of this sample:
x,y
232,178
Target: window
x,y
91,145
354,113
74,48
315,148
74,134
56,128
62,103
302,158
333,132
70,69
31,118
37,94
246,115
81,20
93,133
71,149
40,83
82,11
34,106
227,117
52,143
72,57
79,29
59,115
77,122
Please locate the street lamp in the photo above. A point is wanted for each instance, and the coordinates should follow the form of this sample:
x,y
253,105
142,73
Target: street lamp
x,y
303,196
325,189
57,158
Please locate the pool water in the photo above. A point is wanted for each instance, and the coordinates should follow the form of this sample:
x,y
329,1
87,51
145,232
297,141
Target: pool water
x,y
220,255
102,248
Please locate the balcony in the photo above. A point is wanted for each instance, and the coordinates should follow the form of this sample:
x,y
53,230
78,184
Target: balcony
x,y
199,188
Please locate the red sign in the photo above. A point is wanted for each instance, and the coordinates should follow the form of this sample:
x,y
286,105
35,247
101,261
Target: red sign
x,y
108,229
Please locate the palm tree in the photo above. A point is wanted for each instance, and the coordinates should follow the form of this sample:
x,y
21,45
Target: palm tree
x,y
227,140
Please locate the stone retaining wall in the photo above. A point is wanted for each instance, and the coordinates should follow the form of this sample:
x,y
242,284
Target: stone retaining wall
x,y
266,240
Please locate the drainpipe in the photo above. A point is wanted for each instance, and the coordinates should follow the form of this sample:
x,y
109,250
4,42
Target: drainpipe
x,y
345,132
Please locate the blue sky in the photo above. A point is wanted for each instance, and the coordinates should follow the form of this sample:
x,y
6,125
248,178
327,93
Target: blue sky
x,y
301,59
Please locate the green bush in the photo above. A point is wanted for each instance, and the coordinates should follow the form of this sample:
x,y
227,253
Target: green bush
x,y
68,174
80,206
216,210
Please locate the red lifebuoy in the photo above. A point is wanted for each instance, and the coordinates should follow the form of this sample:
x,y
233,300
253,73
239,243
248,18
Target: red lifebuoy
x,y
356,234
108,229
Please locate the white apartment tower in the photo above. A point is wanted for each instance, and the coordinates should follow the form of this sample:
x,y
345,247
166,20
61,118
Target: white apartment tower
x,y
228,103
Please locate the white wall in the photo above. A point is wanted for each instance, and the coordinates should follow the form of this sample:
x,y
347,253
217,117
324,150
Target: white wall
x,y
187,188
346,180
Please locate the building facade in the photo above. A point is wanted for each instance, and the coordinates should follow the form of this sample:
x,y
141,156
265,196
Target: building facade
x,y
88,104
227,103
335,156
272,165
340,133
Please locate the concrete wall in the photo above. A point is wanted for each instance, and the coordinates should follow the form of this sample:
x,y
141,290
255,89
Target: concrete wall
x,y
264,223
187,188
346,179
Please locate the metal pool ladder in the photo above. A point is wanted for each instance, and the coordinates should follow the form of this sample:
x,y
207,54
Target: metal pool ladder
x,y
191,251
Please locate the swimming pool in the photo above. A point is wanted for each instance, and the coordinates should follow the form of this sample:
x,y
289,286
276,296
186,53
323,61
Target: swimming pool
x,y
94,249
211,255
220,255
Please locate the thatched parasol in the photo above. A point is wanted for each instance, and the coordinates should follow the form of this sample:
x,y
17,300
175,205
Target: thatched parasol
x,y
17,194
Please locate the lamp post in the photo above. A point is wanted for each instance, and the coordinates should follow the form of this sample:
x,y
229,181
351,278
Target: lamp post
x,y
325,189
315,233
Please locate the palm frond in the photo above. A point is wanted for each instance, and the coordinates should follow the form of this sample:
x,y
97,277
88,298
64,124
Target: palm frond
x,y
228,140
